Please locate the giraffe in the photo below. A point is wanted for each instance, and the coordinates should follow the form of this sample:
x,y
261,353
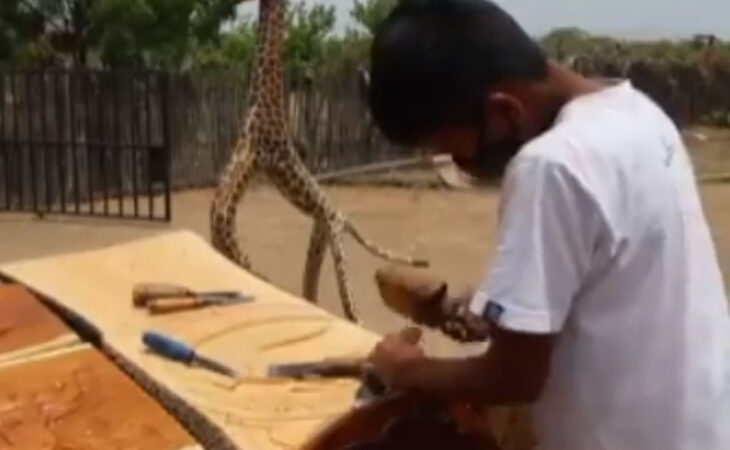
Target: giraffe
x,y
265,145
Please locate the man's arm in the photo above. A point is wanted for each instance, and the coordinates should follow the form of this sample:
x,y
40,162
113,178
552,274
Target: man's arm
x,y
512,370
550,223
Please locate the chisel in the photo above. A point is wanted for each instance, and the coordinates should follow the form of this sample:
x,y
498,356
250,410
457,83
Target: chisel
x,y
179,351
325,368
371,386
161,298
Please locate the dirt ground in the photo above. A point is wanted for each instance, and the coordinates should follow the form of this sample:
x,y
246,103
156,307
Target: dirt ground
x,y
454,230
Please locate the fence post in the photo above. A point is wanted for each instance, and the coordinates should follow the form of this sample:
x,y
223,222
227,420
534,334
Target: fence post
x,y
29,132
166,144
3,145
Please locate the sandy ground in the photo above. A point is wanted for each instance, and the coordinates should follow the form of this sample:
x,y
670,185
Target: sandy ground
x,y
454,230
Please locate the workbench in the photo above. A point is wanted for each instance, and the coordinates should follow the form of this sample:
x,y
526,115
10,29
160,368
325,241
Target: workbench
x,y
133,394
255,413
57,391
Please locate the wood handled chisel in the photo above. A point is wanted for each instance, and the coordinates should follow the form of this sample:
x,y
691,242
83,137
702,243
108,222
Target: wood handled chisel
x,y
163,298
325,368
371,386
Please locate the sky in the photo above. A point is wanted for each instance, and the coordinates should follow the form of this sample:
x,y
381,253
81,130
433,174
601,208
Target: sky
x,y
622,18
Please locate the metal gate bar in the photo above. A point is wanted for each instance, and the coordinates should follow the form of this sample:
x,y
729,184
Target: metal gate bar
x,y
85,142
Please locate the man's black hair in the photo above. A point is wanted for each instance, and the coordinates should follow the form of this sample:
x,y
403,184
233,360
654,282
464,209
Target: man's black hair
x,y
433,61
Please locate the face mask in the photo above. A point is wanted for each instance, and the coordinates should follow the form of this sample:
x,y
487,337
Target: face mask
x,y
491,158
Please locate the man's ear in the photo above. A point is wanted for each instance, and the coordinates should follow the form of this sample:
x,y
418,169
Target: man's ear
x,y
506,113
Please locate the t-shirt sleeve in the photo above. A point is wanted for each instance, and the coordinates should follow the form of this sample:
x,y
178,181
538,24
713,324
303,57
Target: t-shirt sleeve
x,y
547,231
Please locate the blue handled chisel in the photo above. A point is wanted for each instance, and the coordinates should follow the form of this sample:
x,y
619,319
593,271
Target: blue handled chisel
x,y
179,351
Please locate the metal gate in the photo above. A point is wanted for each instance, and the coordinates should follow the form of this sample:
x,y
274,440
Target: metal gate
x,y
85,142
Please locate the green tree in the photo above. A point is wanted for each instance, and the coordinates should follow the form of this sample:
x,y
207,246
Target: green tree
x,y
369,14
157,33
119,31
353,50
30,28
567,41
306,42
233,50
306,37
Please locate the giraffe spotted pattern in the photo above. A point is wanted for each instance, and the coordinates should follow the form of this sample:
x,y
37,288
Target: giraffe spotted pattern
x,y
266,146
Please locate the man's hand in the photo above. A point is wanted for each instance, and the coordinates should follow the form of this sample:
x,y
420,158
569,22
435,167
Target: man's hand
x,y
512,370
394,354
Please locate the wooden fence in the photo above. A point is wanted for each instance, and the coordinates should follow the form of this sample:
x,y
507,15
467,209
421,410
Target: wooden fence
x,y
85,142
686,92
329,118
118,119
332,126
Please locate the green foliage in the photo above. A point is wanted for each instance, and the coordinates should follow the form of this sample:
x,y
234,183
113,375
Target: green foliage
x,y
574,41
347,53
21,32
116,30
232,50
369,14
570,40
308,43
181,34
151,33
208,15
307,34
157,33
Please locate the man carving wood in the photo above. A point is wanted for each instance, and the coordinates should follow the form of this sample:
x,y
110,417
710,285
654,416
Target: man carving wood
x,y
605,306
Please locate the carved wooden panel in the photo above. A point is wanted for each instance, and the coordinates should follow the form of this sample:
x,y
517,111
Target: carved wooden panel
x,y
79,400
24,321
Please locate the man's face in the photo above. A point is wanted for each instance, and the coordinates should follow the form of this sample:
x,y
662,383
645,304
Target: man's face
x,y
484,149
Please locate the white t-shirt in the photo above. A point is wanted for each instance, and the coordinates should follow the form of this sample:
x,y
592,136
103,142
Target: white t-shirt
x,y
603,240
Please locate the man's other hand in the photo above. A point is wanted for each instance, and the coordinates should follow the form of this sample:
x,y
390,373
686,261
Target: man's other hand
x,y
394,353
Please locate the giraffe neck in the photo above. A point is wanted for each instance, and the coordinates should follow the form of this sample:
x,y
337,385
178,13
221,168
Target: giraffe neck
x,y
267,84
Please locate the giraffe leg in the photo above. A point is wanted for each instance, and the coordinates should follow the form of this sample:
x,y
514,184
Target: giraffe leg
x,y
303,191
335,230
233,184
224,206
315,257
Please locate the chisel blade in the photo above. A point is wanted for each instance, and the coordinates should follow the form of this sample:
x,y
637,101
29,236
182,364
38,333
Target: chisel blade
x,y
318,369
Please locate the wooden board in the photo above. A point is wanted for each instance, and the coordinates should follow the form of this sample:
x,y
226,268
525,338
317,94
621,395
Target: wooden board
x,y
25,323
256,413
79,400
58,392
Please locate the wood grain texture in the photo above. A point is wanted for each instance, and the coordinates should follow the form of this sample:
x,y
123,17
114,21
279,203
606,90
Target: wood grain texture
x,y
79,400
25,322
256,412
